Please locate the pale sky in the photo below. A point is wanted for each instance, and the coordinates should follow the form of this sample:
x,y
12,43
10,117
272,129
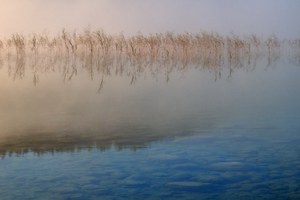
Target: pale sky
x,y
263,17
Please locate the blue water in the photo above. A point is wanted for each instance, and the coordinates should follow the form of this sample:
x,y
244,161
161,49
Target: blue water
x,y
230,163
193,138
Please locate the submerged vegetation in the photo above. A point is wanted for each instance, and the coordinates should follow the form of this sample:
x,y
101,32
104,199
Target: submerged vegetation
x,y
102,53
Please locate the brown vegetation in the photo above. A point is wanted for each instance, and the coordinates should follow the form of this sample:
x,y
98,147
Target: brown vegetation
x,y
102,53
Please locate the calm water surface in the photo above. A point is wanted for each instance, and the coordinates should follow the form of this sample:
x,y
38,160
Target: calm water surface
x,y
183,133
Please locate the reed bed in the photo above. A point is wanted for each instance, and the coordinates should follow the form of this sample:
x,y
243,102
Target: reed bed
x,y
97,51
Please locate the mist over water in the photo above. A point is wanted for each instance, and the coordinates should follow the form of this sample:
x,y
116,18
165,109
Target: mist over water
x,y
130,17
195,99
185,133
95,90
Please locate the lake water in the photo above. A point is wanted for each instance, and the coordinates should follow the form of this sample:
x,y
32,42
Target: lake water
x,y
156,132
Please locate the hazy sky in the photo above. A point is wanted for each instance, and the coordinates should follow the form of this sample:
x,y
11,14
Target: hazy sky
x,y
131,16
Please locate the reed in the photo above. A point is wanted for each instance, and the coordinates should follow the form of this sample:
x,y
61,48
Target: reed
x,y
148,47
99,52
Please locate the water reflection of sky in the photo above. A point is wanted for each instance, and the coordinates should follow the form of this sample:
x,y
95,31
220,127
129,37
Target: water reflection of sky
x,y
191,137
187,126
222,163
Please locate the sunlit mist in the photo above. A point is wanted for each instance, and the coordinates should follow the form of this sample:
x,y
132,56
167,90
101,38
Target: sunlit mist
x,y
132,16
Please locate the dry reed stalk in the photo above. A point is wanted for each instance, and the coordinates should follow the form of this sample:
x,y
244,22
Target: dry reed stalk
x,y
103,51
